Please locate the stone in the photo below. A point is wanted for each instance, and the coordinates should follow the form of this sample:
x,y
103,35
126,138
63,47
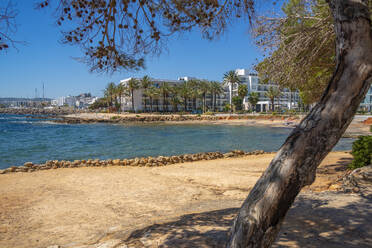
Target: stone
x,y
334,187
28,164
228,155
108,244
116,161
359,181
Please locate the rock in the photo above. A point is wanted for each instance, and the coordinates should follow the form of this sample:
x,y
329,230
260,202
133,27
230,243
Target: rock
x,y
229,155
334,187
116,161
28,164
108,244
359,181
22,169
2,171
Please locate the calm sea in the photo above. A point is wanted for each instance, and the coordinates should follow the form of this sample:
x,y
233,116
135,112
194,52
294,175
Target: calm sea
x,y
37,140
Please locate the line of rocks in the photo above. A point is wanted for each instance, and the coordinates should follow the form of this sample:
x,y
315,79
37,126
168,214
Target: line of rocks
x,y
143,161
41,111
164,118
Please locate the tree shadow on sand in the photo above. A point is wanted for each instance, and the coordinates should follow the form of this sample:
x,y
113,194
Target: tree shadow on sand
x,y
327,219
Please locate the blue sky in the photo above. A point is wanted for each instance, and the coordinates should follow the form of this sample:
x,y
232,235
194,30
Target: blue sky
x,y
44,59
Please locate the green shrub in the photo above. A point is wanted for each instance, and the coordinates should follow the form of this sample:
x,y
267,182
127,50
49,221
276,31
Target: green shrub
x,y
362,152
208,113
370,128
115,117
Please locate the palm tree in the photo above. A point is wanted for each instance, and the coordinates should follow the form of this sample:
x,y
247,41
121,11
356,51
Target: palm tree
x,y
204,88
164,91
132,85
184,92
120,90
253,99
272,93
145,84
216,90
174,98
242,90
194,91
230,78
152,93
109,93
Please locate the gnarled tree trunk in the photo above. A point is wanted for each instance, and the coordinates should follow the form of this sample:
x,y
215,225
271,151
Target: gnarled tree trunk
x,y
294,166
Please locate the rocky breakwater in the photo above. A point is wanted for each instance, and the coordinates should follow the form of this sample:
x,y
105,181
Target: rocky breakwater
x,y
166,118
143,161
37,111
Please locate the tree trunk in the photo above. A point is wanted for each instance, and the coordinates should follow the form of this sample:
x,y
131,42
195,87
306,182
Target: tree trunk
x,y
295,164
151,104
132,100
145,103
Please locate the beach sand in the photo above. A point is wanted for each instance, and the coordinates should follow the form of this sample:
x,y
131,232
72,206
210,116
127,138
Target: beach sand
x,y
181,205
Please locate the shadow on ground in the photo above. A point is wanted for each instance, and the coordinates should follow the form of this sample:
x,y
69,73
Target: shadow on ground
x,y
327,219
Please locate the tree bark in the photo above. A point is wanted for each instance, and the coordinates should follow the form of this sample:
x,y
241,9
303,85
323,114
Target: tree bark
x,y
295,164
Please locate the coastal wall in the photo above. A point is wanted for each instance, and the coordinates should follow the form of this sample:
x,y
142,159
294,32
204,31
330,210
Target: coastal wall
x,y
143,161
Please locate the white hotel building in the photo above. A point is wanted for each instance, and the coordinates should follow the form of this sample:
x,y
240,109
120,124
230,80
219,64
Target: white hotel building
x,y
140,97
287,99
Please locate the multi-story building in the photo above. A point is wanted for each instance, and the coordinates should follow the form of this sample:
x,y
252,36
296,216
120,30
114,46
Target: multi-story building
x,y
15,102
366,104
286,100
139,98
81,101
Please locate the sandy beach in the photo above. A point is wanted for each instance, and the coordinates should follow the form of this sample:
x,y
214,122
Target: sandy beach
x,y
182,205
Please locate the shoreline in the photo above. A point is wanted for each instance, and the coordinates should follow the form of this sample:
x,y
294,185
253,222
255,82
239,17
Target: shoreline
x,y
88,206
356,128
132,162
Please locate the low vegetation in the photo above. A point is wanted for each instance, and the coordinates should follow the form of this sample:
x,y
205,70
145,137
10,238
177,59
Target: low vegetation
x,y
362,152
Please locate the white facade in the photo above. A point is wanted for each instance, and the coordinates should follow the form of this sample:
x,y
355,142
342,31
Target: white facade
x,y
140,99
81,101
366,104
287,99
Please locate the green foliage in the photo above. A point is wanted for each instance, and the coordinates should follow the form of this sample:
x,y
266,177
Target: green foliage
x,y
242,90
296,59
253,99
237,102
231,77
370,128
208,113
226,107
362,152
115,117
100,103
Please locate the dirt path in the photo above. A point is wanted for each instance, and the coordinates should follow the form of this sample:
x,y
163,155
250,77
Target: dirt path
x,y
81,206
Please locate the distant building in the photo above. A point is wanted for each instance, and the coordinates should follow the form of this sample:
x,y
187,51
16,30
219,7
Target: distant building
x,y
287,99
16,102
81,101
140,98
366,104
